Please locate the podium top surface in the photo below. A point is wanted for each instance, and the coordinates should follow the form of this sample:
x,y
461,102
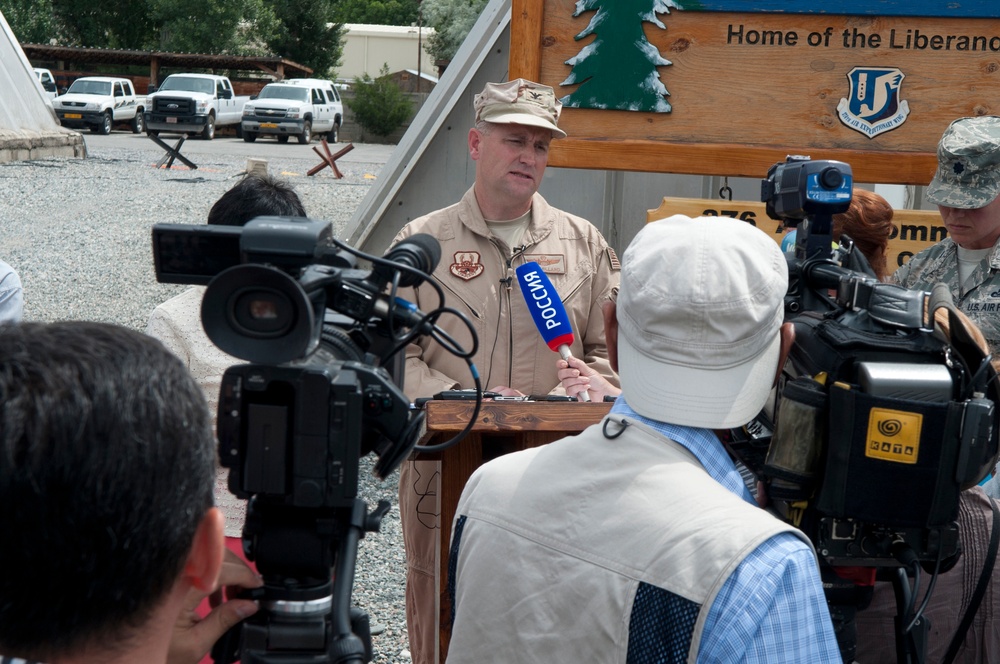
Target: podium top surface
x,y
445,416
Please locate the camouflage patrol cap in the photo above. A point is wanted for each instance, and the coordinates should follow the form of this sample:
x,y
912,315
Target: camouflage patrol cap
x,y
968,172
520,102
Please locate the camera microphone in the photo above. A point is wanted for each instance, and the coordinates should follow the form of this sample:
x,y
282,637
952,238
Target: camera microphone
x,y
547,311
421,252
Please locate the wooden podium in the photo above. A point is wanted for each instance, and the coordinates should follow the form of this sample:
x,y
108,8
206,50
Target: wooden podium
x,y
502,427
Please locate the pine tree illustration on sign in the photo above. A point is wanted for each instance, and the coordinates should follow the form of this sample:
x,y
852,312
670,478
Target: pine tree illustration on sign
x,y
618,70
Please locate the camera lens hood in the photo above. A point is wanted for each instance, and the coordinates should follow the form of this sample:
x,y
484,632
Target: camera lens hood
x,y
260,314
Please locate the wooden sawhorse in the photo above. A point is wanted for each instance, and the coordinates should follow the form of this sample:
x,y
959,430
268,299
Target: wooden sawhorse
x,y
167,160
329,159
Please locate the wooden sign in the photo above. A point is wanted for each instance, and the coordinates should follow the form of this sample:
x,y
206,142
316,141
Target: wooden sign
x,y
913,230
730,87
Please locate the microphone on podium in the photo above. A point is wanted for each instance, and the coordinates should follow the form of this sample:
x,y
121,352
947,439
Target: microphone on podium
x,y
547,311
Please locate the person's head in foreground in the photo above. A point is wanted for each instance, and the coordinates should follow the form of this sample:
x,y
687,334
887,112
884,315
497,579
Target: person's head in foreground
x,y
966,184
106,469
696,325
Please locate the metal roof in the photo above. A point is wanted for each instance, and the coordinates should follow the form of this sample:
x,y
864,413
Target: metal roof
x,y
273,65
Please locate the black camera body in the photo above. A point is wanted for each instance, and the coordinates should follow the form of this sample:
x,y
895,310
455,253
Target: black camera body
x,y
799,188
292,435
880,423
320,392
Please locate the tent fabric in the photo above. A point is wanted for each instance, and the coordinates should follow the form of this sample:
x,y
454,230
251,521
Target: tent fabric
x,y
28,125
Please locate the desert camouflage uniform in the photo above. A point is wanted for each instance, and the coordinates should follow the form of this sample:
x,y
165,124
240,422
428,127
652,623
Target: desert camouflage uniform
x,y
978,297
511,352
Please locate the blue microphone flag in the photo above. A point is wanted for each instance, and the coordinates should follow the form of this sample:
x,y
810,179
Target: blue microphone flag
x,y
546,308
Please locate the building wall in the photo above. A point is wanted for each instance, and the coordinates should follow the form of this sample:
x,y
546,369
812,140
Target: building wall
x,y
368,47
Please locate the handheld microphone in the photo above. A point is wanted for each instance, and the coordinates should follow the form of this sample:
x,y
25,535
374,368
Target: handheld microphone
x,y
547,311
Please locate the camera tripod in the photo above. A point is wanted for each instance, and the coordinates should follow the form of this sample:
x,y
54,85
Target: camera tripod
x,y
305,617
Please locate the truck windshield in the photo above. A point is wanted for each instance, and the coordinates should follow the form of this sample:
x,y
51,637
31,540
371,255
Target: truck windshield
x,y
82,87
284,92
188,84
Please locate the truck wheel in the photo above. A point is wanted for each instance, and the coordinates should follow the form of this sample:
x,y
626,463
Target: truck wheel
x,y
283,138
307,133
334,134
208,133
105,126
249,136
138,123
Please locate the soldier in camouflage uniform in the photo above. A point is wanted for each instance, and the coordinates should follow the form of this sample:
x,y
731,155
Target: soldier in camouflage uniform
x,y
965,188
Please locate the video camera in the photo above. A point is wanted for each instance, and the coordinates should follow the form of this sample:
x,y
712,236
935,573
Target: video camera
x,y
322,337
880,420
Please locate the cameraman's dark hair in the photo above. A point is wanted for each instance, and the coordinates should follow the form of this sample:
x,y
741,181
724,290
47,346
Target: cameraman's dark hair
x,y
869,223
254,196
107,463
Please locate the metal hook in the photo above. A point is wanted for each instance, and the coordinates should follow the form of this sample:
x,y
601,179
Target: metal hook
x,y
726,192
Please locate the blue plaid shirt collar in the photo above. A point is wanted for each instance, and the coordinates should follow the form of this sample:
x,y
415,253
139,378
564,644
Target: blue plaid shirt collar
x,y
702,443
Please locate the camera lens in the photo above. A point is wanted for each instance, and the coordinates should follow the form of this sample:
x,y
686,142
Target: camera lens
x,y
262,313
831,178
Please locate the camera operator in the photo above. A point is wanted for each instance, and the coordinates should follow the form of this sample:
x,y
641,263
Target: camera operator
x,y
644,519
110,536
177,322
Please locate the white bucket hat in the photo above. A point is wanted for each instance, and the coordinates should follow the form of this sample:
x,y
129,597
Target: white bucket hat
x,y
699,310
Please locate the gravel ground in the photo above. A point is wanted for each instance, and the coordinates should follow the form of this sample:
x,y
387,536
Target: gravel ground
x,y
78,233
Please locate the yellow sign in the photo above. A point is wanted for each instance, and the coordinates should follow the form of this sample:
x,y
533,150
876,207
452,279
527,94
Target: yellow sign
x,y
913,230
893,435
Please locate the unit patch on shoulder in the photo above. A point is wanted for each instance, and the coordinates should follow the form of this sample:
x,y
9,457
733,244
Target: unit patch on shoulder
x,y
467,265
550,263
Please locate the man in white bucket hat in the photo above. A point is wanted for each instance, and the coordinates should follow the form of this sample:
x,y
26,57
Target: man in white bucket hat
x,y
637,540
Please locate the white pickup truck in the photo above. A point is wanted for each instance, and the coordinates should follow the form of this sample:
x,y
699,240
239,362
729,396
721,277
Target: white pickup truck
x,y
300,108
194,104
48,83
99,102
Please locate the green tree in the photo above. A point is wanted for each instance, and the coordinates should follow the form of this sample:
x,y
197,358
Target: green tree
x,y
618,69
377,12
379,105
307,34
125,24
234,27
452,21
31,20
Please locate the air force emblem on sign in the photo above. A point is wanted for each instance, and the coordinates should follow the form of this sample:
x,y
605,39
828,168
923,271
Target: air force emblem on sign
x,y
874,106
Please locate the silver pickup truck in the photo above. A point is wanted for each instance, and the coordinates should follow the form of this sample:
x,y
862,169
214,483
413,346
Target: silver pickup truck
x,y
194,104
